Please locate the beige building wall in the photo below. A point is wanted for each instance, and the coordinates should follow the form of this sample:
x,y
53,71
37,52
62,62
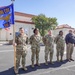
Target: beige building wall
x,y
64,29
56,31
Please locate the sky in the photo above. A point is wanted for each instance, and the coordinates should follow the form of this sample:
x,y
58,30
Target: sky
x,y
63,10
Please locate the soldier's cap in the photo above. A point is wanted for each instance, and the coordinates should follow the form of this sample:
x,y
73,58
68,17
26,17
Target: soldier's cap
x,y
35,30
20,28
60,31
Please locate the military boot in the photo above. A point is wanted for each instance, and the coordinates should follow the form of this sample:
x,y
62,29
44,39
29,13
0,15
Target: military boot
x,y
24,68
32,64
61,59
16,71
51,59
51,62
58,59
46,63
37,63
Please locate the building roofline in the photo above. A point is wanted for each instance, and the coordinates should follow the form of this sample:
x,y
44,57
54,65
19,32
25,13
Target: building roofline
x,y
24,14
64,27
24,22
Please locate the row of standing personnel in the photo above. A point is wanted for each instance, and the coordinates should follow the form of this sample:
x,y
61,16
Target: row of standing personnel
x,y
48,40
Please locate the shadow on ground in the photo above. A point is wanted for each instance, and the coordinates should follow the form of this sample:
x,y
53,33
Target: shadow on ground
x,y
10,71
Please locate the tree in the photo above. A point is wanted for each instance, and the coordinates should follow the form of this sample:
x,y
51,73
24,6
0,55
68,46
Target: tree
x,y
52,23
44,23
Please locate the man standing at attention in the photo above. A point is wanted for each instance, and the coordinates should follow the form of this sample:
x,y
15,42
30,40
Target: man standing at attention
x,y
49,47
21,49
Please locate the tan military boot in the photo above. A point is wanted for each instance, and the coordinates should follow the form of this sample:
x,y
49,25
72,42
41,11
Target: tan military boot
x,y
24,68
58,59
37,63
16,71
51,62
32,64
46,63
61,59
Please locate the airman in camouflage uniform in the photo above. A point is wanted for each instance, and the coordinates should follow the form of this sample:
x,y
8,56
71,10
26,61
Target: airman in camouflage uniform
x,y
59,40
49,47
35,46
21,49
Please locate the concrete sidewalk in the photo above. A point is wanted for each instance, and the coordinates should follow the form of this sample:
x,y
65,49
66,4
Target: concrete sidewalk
x,y
4,43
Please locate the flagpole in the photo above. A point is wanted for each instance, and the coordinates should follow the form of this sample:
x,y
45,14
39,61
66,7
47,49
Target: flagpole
x,y
14,42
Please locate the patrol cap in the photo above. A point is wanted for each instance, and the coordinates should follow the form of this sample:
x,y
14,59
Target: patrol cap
x,y
35,30
20,28
60,31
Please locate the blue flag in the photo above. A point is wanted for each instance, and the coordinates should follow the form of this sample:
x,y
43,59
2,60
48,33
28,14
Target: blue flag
x,y
6,16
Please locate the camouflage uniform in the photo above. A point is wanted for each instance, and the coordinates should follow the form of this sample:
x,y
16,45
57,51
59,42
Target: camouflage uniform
x,y
60,46
21,50
49,47
35,47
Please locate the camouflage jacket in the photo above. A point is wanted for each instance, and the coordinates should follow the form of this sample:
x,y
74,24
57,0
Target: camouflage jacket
x,y
35,40
59,40
48,40
21,41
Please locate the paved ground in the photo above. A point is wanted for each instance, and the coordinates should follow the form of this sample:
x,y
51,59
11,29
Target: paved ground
x,y
3,43
7,64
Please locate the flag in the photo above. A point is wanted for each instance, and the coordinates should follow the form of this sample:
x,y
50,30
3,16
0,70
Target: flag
x,y
6,16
